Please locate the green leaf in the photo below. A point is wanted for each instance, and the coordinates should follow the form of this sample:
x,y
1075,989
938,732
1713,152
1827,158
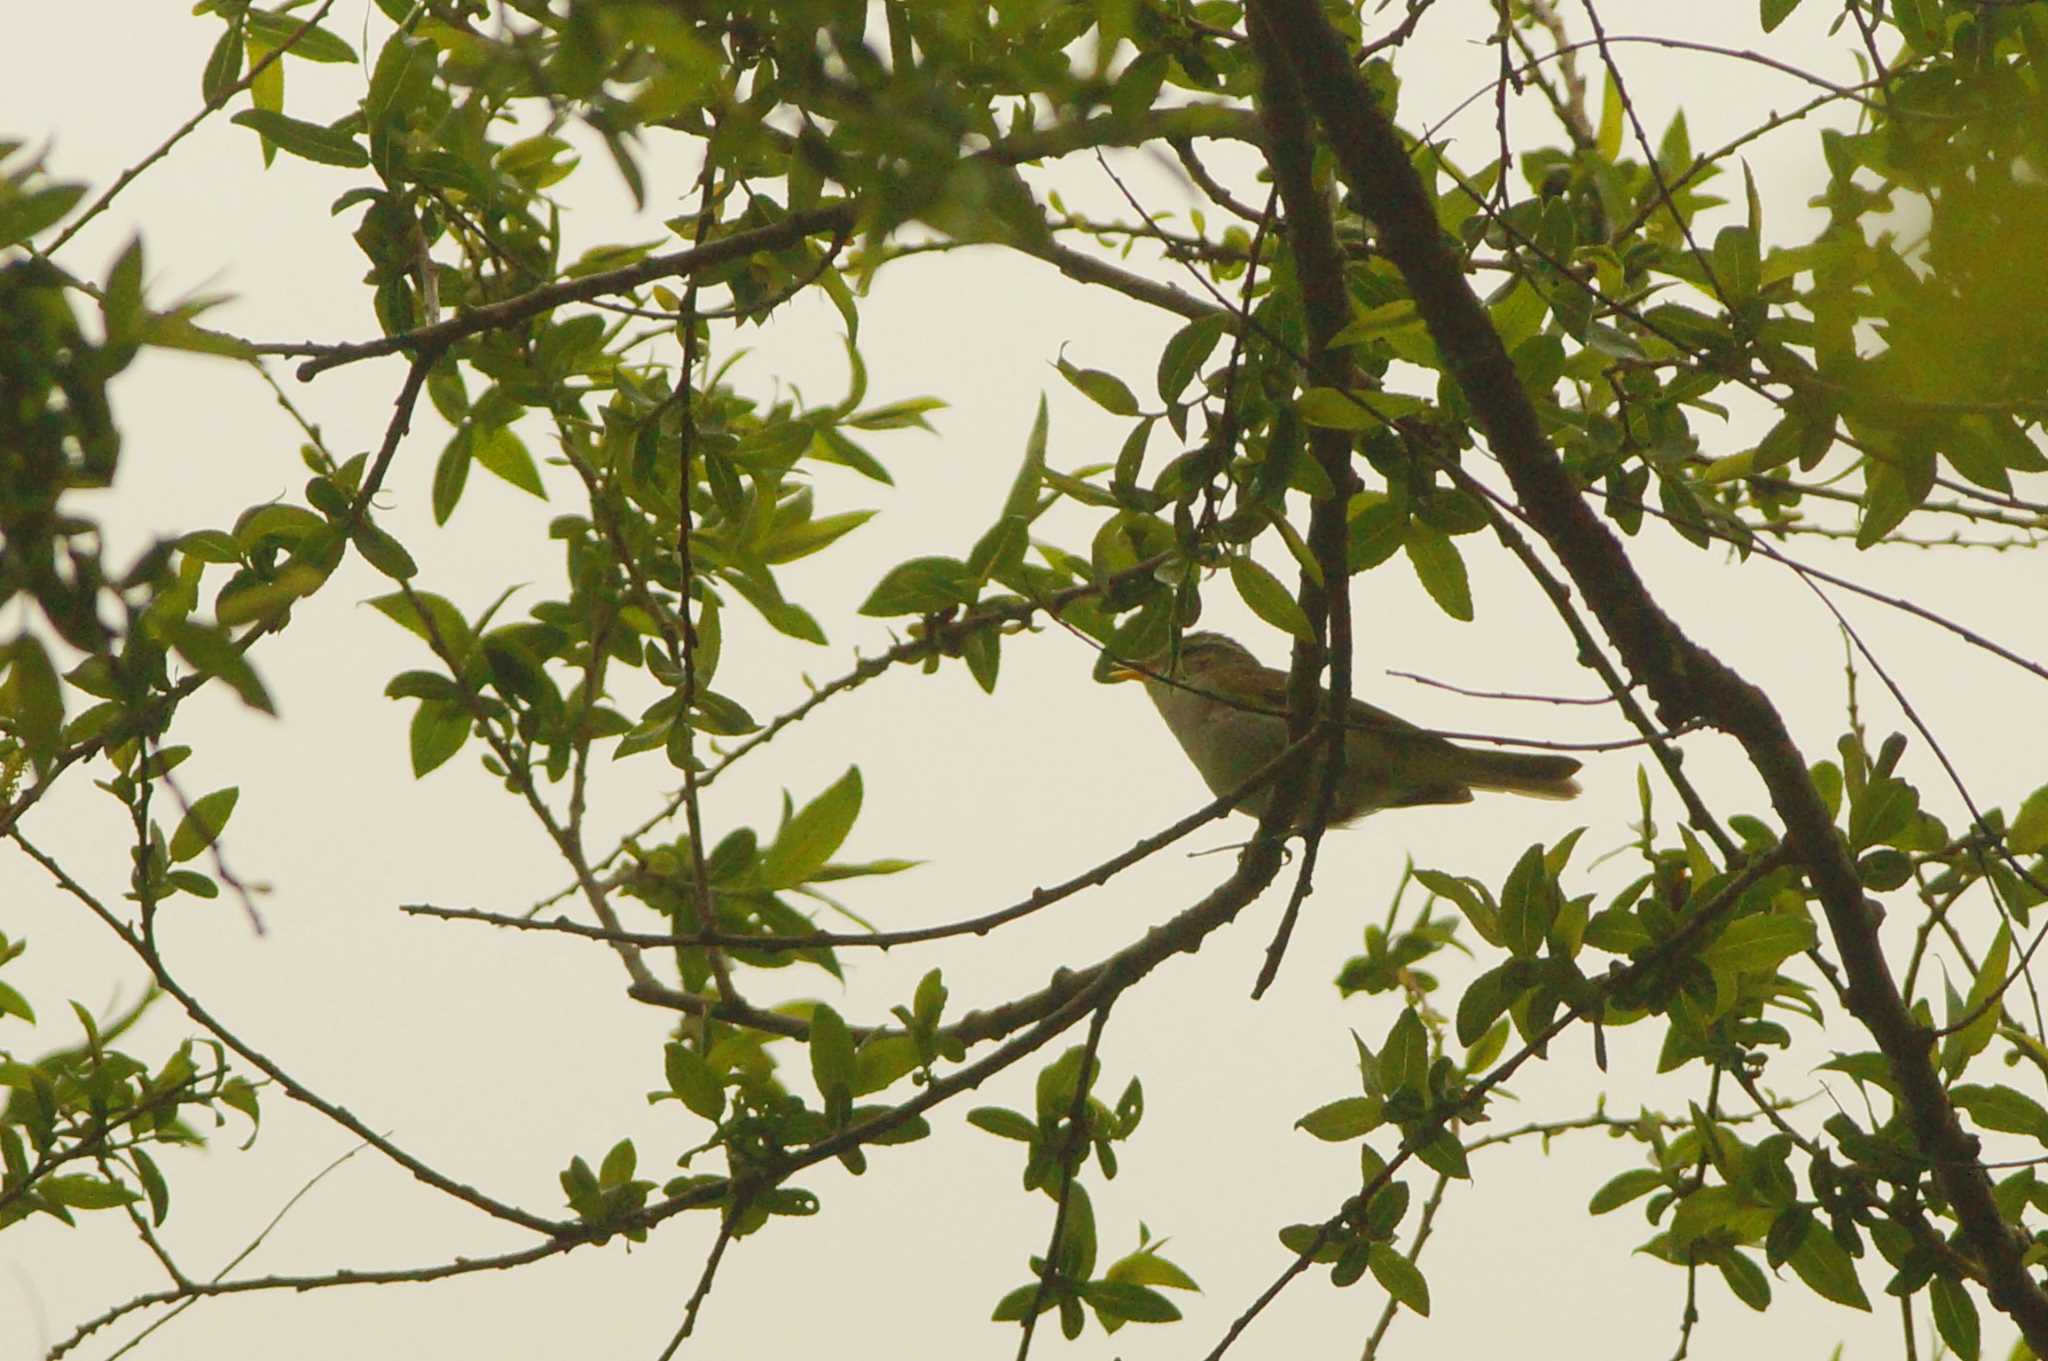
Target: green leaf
x,y
438,731
1268,599
1000,552
1106,390
1012,1307
1619,1191
1404,1058
1440,568
23,215
1129,1301
1828,1270
238,1093
1744,1278
1889,496
211,651
13,1003
832,1062
1471,899
1738,264
721,716
203,822
403,79
210,545
1528,904
1003,1123
383,552
807,840
1955,1317
2029,830
1757,943
1400,1279
314,44
1774,12
153,1185
1383,1213
921,586
1022,501
1149,1268
1484,999
806,537
2005,1109
1345,1119
33,697
505,454
1185,353
1920,23
1442,1152
983,652
881,1060
1376,321
310,140
1356,408
1608,138
449,631
619,1162
451,473
908,414
1057,1084
693,1080
1958,1048
288,524
223,66
84,1193
1885,809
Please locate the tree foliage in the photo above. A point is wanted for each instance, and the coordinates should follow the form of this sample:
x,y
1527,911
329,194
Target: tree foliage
x,y
1390,355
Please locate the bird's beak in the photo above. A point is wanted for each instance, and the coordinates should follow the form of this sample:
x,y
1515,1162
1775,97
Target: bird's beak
x,y
1123,672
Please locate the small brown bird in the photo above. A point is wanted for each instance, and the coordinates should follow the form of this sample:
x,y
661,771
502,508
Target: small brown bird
x,y
1230,716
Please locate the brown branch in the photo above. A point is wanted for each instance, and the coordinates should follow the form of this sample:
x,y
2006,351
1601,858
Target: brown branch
x,y
1325,595
1682,677
1037,900
297,1090
463,1266
683,649
1088,269
940,637
994,1022
836,219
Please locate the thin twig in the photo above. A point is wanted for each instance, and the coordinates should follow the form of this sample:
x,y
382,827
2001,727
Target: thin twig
x,y
726,1222
239,1257
212,105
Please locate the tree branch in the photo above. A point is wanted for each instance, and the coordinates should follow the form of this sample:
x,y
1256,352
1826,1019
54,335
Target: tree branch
x,y
1683,678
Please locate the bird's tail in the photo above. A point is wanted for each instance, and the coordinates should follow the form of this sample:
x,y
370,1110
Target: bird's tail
x,y
1514,772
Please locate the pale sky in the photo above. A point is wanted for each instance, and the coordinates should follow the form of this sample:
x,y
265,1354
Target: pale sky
x,y
497,1057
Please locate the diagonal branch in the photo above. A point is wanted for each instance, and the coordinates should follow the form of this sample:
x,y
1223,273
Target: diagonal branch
x,y
425,339
1683,678
1325,596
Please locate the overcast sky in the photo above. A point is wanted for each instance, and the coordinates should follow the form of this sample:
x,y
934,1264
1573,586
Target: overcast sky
x,y
498,1057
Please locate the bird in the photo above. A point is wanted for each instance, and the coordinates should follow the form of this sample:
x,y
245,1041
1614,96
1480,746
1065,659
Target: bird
x,y
1229,714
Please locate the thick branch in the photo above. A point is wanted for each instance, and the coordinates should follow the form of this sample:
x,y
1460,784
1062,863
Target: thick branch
x,y
1683,678
1326,308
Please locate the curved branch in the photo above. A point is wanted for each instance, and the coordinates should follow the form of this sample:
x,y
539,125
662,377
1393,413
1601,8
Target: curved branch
x,y
469,1195
1682,677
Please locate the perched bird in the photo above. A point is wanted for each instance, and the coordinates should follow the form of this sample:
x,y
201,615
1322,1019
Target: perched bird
x,y
1230,716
